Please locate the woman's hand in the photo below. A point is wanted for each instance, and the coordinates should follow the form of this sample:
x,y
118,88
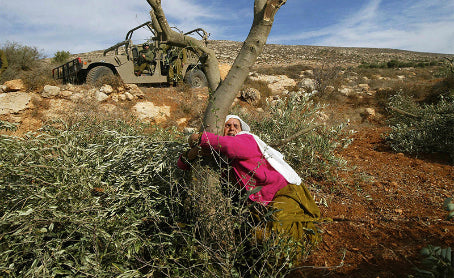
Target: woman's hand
x,y
194,139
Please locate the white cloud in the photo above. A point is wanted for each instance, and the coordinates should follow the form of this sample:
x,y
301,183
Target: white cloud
x,y
420,27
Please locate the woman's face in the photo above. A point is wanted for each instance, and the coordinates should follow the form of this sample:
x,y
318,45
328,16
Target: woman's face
x,y
232,127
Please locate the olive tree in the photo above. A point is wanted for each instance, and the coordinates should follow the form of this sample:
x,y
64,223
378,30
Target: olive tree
x,y
223,92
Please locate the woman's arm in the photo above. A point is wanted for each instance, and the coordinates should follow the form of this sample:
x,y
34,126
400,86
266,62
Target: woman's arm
x,y
241,146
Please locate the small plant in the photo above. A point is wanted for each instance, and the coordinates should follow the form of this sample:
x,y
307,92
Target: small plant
x,y
61,56
421,128
437,262
449,206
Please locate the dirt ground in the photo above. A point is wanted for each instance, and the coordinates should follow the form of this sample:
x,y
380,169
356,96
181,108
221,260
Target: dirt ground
x,y
388,208
385,209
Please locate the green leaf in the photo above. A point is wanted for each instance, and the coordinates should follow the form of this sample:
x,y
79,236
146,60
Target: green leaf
x,y
25,213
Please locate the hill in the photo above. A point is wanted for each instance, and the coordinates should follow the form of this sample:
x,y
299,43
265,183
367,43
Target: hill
x,y
385,207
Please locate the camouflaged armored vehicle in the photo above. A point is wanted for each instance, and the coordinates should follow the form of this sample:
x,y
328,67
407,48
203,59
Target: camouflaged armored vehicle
x,y
171,65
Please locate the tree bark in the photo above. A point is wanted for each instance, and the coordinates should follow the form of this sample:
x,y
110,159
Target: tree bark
x,y
223,93
223,97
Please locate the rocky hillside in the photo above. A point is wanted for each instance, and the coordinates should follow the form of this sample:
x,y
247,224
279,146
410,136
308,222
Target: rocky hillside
x,y
329,72
385,208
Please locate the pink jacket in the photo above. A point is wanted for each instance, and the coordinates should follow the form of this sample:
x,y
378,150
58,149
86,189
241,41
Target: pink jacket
x,y
248,163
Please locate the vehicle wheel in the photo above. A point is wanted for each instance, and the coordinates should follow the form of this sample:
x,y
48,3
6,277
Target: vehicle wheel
x,y
196,78
97,74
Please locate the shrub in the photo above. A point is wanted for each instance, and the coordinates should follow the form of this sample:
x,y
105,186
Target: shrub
x,y
313,153
105,199
61,56
20,59
421,128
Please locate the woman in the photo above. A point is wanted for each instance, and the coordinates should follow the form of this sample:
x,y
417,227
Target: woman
x,y
256,164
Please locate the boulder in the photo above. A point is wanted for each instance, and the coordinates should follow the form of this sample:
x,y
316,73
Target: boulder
x,y
147,110
276,83
14,85
50,91
13,102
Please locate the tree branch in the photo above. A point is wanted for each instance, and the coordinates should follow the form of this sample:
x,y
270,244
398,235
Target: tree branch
x,y
293,137
207,56
222,98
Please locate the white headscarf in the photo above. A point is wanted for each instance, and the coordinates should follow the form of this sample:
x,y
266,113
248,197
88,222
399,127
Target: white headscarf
x,y
274,157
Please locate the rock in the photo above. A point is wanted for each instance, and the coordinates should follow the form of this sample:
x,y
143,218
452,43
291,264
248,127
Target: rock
x,y
50,91
129,96
66,94
182,121
368,113
100,96
3,88
189,130
364,87
134,90
76,97
250,95
307,83
106,89
13,102
346,91
147,110
276,83
14,85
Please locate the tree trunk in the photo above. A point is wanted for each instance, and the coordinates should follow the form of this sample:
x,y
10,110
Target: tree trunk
x,y
223,93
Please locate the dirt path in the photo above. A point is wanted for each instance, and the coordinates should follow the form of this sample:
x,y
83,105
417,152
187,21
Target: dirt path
x,y
388,209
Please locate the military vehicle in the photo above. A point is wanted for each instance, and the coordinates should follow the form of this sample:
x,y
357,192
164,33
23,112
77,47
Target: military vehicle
x,y
171,64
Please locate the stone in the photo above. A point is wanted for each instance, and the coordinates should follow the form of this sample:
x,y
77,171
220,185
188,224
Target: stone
x,y
364,87
129,96
307,83
50,91
66,94
76,97
100,96
13,102
147,110
346,91
250,95
276,83
14,85
134,90
106,89
182,121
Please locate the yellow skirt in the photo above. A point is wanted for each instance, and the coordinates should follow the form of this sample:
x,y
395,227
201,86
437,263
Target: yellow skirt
x,y
294,215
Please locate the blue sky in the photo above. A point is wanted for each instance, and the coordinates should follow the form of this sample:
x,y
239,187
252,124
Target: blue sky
x,y
87,25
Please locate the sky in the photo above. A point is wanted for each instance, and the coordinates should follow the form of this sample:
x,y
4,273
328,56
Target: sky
x,y
88,25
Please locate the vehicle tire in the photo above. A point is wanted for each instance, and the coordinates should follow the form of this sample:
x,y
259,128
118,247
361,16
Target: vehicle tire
x,y
97,74
196,78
